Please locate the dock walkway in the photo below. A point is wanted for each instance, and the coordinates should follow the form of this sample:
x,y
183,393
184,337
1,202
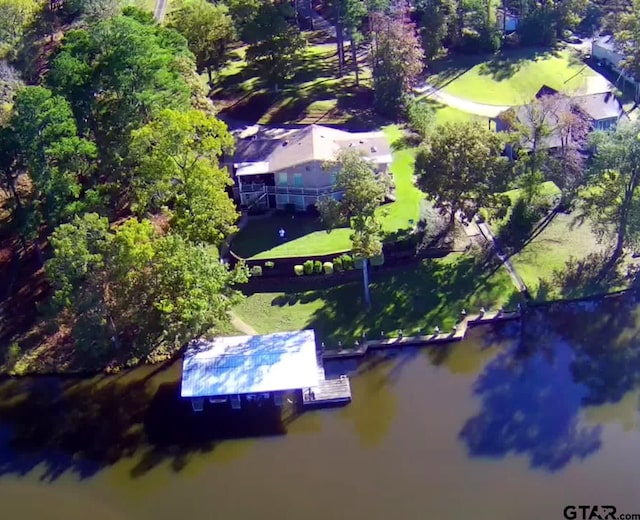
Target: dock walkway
x,y
329,392
457,334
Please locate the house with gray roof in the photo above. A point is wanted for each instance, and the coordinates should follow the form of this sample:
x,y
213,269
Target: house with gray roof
x,y
602,111
274,168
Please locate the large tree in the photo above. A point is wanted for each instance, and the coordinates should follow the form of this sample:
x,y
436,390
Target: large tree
x,y
275,43
397,59
15,17
52,153
209,30
132,284
178,156
462,169
611,200
363,191
119,74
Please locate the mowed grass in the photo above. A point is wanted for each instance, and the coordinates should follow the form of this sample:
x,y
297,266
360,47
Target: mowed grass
x,y
314,93
409,299
565,260
510,77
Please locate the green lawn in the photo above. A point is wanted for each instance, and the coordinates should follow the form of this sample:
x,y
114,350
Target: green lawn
x,y
510,77
314,94
409,299
306,235
565,260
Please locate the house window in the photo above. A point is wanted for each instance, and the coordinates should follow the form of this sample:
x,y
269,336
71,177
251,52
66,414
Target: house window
x,y
297,180
283,179
334,178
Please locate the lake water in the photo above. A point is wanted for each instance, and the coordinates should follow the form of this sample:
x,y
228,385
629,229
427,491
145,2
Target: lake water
x,y
515,422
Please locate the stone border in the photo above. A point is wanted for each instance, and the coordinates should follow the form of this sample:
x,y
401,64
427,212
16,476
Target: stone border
x,y
457,334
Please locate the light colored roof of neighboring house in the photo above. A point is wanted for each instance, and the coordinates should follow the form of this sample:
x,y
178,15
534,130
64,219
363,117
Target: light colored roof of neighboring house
x,y
250,364
597,107
600,106
312,143
607,42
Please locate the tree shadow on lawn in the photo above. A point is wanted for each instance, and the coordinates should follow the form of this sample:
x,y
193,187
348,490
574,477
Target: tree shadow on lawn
x,y
57,426
409,299
262,234
592,275
505,64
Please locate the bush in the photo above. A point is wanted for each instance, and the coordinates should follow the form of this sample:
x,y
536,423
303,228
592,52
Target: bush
x,y
421,117
328,268
13,354
512,40
358,262
337,264
269,264
308,267
317,267
298,269
347,262
377,260
256,270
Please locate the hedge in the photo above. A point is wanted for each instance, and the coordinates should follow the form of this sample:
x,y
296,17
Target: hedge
x,y
328,268
256,270
317,266
298,269
308,267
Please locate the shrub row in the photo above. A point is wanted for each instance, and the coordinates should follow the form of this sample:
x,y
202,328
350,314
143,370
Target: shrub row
x,y
339,264
256,270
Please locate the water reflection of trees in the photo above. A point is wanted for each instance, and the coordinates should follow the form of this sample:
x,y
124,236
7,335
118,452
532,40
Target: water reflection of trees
x,y
570,359
82,426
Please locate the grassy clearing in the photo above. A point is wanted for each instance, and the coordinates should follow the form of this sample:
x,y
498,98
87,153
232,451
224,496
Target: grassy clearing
x,y
565,260
306,236
510,77
314,94
410,299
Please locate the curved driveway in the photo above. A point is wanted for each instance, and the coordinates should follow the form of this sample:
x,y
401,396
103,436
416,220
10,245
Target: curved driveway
x,y
466,105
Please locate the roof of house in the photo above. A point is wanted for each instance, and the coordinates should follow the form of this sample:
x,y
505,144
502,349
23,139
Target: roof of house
x,y
604,105
597,107
607,42
250,364
312,143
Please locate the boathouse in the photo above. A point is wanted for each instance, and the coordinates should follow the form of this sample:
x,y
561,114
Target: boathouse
x,y
242,369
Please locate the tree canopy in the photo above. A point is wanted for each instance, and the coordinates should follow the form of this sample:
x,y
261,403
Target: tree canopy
x,y
363,192
178,169
133,284
117,75
611,200
397,59
209,30
275,44
462,169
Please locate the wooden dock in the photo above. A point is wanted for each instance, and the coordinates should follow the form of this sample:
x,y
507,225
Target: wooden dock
x,y
455,335
329,392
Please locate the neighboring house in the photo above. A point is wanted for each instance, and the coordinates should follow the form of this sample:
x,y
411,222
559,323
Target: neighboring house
x,y
508,22
607,52
602,111
274,168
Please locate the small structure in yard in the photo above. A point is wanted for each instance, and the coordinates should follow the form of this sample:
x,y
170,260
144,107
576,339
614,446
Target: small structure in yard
x,y
251,369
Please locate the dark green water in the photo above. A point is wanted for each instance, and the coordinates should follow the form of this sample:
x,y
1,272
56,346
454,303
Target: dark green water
x,y
509,424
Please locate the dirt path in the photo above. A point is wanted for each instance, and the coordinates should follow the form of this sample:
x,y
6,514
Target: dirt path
x,y
241,326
